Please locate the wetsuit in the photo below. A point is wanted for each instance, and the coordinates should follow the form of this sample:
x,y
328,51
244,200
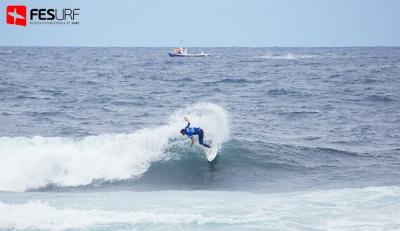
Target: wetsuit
x,y
190,132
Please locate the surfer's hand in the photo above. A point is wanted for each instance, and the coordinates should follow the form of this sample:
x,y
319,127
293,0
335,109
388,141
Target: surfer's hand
x,y
186,119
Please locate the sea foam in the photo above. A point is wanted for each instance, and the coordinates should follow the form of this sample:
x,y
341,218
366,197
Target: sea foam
x,y
371,208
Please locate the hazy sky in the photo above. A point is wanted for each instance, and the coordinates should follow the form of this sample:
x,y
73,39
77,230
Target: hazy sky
x,y
213,23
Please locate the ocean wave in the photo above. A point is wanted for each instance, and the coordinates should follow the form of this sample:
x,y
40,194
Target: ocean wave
x,y
288,92
254,166
31,163
240,165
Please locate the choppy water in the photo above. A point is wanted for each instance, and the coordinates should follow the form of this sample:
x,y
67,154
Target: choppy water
x,y
305,134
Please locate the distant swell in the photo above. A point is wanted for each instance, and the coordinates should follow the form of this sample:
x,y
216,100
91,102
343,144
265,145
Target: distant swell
x,y
289,56
238,81
381,98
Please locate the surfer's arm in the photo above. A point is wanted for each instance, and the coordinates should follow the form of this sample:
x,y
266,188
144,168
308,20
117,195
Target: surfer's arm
x,y
187,120
187,125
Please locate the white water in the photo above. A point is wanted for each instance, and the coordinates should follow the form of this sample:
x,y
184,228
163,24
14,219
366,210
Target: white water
x,y
49,217
288,56
30,163
373,208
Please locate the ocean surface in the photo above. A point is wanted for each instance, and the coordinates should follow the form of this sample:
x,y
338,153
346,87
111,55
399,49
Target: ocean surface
x,y
308,138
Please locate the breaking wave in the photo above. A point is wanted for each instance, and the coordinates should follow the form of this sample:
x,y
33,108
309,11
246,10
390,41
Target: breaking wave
x,y
30,163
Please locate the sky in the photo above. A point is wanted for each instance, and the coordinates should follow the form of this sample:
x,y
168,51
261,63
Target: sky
x,y
212,23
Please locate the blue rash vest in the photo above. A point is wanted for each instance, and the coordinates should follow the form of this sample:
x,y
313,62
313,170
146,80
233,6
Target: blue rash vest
x,y
191,131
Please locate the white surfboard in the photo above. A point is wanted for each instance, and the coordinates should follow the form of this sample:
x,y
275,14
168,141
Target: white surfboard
x,y
211,153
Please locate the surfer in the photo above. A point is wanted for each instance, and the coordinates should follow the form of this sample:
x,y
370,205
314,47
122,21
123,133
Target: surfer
x,y
190,132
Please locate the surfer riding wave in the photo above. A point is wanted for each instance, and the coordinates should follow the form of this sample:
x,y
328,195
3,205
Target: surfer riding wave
x,y
190,132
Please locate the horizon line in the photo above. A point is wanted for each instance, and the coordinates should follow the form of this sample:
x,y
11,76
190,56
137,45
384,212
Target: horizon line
x,y
350,46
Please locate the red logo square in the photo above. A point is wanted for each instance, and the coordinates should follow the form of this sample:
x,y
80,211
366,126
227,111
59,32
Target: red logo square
x,y
16,15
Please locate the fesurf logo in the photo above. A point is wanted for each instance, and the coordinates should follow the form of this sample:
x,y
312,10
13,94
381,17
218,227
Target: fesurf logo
x,y
17,15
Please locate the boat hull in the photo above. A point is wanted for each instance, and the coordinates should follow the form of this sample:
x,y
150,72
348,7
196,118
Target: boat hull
x,y
187,55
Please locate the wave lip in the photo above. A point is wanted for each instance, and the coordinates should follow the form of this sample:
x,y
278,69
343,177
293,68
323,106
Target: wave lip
x,y
31,163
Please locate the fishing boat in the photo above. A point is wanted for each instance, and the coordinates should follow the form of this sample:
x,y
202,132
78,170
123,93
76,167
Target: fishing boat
x,y
183,52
